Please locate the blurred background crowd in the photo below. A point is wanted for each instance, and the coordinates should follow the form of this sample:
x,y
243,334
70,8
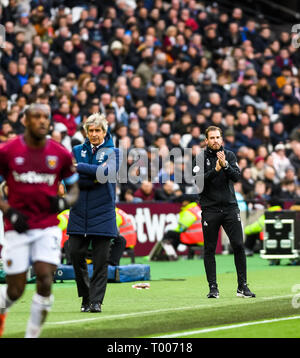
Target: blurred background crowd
x,y
161,72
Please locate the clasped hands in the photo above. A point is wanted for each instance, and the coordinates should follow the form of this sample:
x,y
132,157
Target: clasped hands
x,y
221,162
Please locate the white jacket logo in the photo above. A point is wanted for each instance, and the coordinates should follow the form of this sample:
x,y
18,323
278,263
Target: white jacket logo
x,y
34,178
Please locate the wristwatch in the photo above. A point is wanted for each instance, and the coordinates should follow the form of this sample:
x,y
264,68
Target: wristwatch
x,y
226,165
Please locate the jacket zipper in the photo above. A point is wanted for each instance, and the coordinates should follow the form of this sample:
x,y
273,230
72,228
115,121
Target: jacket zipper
x,y
85,234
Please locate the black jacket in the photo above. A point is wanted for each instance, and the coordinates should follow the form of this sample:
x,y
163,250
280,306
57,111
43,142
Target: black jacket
x,y
218,191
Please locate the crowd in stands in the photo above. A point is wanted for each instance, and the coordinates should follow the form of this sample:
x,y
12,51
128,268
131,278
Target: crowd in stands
x,y
161,72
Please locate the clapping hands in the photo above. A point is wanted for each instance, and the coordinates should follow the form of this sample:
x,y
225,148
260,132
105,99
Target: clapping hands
x,y
221,162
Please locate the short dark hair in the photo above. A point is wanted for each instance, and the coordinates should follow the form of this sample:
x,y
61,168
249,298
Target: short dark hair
x,y
213,128
34,107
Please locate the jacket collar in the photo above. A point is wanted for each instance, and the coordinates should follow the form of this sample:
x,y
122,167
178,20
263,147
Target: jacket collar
x,y
108,142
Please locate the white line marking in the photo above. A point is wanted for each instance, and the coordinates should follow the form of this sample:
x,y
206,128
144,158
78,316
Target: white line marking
x,y
126,315
145,313
277,297
221,328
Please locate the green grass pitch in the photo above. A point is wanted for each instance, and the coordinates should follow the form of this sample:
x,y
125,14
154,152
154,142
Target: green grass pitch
x,y
176,305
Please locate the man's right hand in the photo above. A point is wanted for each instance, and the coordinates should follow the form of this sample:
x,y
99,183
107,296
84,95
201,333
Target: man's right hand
x,y
17,219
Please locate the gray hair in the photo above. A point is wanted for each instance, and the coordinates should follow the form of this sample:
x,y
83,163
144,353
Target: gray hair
x,y
97,120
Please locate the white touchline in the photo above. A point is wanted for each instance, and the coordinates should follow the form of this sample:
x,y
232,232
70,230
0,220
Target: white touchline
x,y
221,328
144,313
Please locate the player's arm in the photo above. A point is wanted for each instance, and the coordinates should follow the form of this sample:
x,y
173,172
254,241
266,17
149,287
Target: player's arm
x,y
71,194
17,219
61,203
70,177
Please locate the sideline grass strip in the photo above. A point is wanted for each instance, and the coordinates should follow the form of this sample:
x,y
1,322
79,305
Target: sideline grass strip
x,y
222,328
175,302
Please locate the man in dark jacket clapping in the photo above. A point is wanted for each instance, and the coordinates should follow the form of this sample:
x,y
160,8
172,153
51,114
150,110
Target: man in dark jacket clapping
x,y
93,219
219,208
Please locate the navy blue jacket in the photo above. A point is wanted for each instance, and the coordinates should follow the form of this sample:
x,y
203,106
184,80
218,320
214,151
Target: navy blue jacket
x,y
94,211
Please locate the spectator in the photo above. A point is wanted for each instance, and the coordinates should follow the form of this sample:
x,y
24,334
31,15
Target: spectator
x,y
242,203
24,25
290,175
294,157
288,190
230,142
130,198
63,116
67,53
57,69
157,65
280,162
166,192
146,191
150,132
260,195
278,133
247,181
291,119
257,171
144,70
269,178
247,138
12,80
252,98
167,172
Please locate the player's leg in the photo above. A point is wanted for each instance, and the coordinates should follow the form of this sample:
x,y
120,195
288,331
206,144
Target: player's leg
x,y
15,255
9,294
45,255
42,300
12,291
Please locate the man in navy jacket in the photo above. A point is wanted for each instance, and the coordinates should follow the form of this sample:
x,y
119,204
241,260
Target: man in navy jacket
x,y
93,219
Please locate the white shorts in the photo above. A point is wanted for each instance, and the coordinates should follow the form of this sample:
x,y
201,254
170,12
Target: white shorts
x,y
21,250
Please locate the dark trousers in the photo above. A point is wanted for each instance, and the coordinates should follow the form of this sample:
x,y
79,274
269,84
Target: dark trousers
x,y
231,222
90,289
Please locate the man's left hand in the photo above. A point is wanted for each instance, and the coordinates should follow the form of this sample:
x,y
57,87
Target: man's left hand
x,y
222,158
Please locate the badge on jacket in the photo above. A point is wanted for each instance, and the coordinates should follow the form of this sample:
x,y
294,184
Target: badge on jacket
x,y
83,153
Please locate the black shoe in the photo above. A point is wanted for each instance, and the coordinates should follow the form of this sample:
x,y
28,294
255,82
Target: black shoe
x,y
244,291
213,291
95,307
85,306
